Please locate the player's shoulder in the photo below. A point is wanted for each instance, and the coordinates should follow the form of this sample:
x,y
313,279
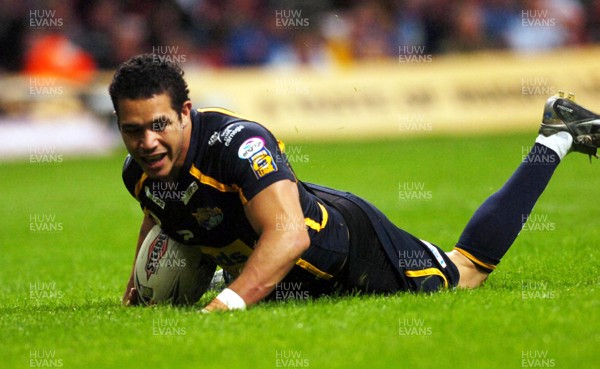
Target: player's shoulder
x,y
132,174
228,129
220,115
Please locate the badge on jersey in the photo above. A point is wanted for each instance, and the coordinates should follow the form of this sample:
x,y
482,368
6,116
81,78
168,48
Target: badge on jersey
x,y
250,147
208,218
262,163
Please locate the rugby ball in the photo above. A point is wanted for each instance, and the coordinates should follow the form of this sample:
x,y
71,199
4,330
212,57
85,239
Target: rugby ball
x,y
170,272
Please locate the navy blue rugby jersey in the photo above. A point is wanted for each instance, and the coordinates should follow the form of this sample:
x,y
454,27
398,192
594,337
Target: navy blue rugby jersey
x,y
230,160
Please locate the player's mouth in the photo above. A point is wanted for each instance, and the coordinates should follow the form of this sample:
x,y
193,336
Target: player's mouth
x,y
154,161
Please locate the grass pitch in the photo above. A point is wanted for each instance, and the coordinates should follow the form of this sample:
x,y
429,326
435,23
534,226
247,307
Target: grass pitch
x,y
69,228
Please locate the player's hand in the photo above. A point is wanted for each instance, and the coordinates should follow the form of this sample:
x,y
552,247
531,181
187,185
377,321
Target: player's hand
x,y
215,305
131,296
226,300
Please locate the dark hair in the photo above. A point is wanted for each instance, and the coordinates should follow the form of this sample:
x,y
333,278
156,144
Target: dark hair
x,y
146,75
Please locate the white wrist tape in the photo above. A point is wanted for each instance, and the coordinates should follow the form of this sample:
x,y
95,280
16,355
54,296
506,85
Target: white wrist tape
x,y
232,300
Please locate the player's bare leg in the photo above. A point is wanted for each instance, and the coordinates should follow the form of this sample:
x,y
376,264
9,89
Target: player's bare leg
x,y
470,276
566,127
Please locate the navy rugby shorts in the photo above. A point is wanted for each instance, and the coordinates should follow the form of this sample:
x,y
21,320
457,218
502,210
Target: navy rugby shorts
x,y
382,257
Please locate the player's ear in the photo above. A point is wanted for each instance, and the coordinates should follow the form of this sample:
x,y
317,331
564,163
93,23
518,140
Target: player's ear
x,y
186,109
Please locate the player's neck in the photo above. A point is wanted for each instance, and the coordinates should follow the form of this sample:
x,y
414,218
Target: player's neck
x,y
178,165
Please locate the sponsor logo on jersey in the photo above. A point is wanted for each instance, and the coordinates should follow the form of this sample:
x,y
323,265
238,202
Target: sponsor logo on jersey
x,y
262,163
229,133
216,136
158,201
250,147
155,252
208,218
228,260
189,192
231,257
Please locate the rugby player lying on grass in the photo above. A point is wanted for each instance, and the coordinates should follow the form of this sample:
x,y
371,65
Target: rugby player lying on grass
x,y
264,226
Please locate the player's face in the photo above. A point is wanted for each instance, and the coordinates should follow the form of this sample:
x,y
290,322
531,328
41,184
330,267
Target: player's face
x,y
154,134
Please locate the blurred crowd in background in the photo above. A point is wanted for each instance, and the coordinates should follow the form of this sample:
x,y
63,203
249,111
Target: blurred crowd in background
x,y
221,33
57,56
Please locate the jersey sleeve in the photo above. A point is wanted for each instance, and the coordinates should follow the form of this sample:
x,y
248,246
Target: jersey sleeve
x,y
132,175
255,159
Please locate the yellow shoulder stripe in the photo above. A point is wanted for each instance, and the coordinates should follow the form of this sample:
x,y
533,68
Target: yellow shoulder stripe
x,y
313,224
281,145
138,185
427,272
223,111
313,269
210,181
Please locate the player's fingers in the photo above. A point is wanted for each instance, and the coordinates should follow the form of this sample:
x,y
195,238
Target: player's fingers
x,y
125,299
215,305
132,298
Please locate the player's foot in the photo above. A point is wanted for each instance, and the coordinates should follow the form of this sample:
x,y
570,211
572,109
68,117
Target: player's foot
x,y
564,115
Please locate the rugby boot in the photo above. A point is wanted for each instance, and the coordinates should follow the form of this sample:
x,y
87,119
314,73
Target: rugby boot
x,y
563,114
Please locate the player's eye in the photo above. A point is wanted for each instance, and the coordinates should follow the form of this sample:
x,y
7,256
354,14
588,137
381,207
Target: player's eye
x,y
161,122
160,126
132,130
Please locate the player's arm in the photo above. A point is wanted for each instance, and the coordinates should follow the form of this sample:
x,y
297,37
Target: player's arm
x,y
276,215
130,297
